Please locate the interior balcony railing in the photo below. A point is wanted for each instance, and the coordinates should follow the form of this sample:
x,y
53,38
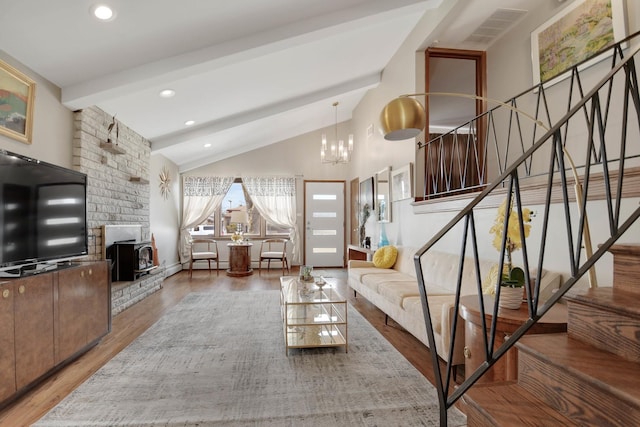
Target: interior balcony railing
x,y
599,128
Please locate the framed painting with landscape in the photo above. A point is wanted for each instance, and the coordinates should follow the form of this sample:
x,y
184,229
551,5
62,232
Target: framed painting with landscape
x,y
576,33
17,93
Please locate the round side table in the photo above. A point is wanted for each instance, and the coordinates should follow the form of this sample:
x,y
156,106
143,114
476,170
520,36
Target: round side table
x,y
505,369
239,259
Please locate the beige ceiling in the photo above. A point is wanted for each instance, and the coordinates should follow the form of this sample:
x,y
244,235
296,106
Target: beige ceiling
x,y
248,72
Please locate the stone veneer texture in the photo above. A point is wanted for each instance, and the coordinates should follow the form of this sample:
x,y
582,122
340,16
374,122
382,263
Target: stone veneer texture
x,y
112,198
118,185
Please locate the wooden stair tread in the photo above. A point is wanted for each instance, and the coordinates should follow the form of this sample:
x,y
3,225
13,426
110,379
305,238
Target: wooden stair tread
x,y
609,371
625,249
508,404
610,299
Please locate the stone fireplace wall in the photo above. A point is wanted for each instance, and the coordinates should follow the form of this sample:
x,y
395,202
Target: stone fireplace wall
x,y
118,174
117,190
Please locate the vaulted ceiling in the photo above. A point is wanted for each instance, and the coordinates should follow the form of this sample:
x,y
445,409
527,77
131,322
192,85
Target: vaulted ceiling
x,y
248,73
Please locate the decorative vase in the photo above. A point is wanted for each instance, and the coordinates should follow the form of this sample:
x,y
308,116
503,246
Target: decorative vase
x,y
510,298
383,236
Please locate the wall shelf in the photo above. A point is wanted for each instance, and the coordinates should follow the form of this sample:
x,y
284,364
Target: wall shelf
x,y
112,148
138,180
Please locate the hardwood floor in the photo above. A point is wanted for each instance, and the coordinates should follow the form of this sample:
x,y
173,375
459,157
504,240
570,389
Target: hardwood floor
x,y
132,322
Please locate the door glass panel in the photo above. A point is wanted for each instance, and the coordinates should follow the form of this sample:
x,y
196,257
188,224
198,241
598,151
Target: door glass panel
x,y
325,215
325,232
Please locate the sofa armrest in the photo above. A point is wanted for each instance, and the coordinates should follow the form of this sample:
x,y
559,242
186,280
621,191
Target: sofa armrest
x,y
354,263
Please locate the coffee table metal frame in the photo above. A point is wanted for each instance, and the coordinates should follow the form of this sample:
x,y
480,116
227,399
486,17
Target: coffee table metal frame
x,y
312,316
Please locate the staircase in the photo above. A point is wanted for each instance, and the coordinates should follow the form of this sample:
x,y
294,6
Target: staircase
x,y
586,377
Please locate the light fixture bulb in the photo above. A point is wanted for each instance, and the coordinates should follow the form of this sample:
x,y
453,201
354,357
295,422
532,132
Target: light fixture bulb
x,y
103,12
167,93
189,123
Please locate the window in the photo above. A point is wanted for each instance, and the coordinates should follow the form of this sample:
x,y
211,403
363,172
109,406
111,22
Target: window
x,y
237,200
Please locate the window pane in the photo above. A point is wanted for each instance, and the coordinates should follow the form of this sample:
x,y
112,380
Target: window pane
x,y
237,200
206,228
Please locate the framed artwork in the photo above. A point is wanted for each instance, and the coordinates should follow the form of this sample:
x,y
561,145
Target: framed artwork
x,y
383,195
366,195
17,93
402,183
579,31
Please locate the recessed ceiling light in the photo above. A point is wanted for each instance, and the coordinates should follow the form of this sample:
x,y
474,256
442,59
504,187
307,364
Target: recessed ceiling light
x,y
207,145
189,122
167,93
103,12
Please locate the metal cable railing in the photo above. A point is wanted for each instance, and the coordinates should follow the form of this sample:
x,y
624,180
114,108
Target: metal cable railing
x,y
601,127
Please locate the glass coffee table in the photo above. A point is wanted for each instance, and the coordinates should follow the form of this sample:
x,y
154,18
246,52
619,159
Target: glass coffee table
x,y
312,315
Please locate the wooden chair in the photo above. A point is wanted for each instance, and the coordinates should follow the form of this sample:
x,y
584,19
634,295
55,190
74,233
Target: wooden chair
x,y
274,250
201,254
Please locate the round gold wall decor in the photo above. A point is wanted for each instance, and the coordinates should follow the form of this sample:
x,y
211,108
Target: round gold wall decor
x,y
165,181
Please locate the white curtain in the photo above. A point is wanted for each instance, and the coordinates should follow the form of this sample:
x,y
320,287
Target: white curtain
x,y
201,197
275,199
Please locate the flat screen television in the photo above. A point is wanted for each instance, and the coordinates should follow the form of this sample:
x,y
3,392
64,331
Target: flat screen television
x,y
43,213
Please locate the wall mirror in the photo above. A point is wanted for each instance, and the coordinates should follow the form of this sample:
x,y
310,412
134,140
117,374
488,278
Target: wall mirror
x,y
383,195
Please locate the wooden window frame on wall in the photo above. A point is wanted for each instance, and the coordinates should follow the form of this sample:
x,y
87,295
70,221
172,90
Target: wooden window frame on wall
x,y
481,89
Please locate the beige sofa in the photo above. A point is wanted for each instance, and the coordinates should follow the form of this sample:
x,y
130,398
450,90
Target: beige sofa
x,y
395,292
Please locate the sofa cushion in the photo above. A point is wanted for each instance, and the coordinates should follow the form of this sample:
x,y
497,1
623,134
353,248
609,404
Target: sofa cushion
x,y
358,273
404,261
396,292
373,280
385,257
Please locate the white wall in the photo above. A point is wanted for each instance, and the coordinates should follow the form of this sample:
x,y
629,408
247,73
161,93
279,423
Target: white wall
x,y
164,214
52,123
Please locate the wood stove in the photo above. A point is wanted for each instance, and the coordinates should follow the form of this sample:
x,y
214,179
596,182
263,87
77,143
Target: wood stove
x,y
130,260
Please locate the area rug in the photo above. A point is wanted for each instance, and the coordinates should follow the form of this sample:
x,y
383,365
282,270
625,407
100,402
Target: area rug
x,y
218,359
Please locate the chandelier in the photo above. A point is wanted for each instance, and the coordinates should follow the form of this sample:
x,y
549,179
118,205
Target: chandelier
x,y
336,151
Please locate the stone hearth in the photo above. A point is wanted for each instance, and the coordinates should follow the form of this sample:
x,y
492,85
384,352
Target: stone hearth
x,y
126,294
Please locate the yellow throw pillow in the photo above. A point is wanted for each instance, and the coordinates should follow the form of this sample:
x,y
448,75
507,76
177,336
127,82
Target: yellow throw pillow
x,y
489,283
385,257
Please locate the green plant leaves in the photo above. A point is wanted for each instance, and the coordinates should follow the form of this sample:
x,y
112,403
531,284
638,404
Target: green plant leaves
x,y
515,279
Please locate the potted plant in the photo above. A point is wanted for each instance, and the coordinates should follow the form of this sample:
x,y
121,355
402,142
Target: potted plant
x,y
305,273
512,278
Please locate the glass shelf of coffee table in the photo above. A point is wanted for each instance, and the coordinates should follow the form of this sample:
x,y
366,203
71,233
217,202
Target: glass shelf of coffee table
x,y
312,316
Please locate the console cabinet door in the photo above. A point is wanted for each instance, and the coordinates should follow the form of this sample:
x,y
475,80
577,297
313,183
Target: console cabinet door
x,y
33,310
71,329
98,294
7,348
82,308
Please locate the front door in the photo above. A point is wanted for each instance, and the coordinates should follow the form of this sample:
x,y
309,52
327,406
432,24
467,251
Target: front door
x,y
324,211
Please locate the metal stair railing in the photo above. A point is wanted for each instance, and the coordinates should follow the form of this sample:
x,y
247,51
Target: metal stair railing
x,y
604,126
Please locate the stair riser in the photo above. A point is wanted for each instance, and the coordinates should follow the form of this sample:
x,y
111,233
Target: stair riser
x,y
582,401
605,330
626,270
477,418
